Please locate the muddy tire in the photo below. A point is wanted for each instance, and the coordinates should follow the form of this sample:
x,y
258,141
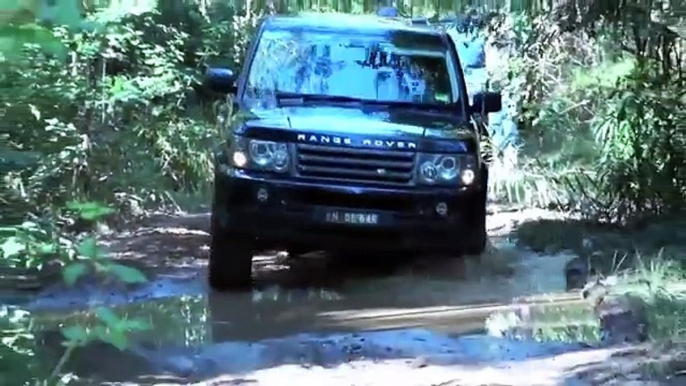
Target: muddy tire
x,y
477,244
230,263
479,238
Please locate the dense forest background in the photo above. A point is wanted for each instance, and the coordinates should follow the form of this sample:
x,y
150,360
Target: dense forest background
x,y
109,105
103,101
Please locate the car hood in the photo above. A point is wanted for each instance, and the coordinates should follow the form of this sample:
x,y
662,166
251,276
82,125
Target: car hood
x,y
406,125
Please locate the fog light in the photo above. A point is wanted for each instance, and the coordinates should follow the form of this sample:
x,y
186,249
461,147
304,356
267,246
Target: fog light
x,y
262,195
442,209
239,159
467,177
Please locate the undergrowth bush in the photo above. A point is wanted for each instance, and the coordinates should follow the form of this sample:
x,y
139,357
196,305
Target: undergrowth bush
x,y
108,108
601,126
33,244
119,115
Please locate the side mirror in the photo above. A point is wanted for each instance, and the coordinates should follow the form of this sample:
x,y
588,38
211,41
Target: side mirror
x,y
221,80
487,102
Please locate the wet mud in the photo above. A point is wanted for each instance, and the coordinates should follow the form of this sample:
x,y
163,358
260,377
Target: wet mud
x,y
316,318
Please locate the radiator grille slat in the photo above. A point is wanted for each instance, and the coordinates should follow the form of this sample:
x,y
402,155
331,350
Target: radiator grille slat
x,y
341,163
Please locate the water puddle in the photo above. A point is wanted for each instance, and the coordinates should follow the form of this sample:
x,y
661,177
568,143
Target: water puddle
x,y
444,295
211,335
318,311
504,272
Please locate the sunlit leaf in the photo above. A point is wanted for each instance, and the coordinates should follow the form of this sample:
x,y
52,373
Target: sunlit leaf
x,y
118,339
90,210
77,334
46,248
100,332
100,267
29,225
127,274
136,325
35,112
89,248
12,247
73,272
107,316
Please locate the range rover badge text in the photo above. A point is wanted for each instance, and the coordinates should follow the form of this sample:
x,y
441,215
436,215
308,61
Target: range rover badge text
x,y
366,142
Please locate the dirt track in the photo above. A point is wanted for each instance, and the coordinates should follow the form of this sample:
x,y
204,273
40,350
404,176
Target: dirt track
x,y
322,321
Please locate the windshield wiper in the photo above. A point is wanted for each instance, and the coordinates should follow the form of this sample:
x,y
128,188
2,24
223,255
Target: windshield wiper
x,y
421,106
303,98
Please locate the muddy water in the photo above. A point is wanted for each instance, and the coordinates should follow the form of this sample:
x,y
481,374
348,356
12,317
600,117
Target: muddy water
x,y
316,294
314,310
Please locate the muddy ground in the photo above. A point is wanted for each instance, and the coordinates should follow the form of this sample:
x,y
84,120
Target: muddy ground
x,y
315,320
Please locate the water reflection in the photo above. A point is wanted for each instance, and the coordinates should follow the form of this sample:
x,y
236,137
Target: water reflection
x,y
323,63
328,295
278,313
230,333
198,320
180,321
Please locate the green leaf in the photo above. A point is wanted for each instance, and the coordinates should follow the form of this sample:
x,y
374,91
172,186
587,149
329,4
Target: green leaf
x,y
108,317
136,324
100,268
118,339
90,210
73,272
89,248
127,274
46,248
12,247
96,213
100,332
7,231
77,334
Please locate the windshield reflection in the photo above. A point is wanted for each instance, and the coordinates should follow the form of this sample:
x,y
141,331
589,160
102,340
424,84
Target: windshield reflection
x,y
356,66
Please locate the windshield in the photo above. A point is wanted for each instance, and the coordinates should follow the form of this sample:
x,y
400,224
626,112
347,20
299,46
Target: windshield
x,y
344,65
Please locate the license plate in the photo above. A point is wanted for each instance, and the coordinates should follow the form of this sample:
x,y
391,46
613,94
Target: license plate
x,y
353,218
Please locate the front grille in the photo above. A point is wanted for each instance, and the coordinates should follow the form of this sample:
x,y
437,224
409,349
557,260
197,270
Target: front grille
x,y
364,165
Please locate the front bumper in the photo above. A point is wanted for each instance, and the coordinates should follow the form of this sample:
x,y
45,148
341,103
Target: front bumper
x,y
293,214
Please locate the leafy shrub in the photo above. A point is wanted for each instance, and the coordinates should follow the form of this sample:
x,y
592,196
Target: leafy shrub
x,y
120,112
32,244
601,125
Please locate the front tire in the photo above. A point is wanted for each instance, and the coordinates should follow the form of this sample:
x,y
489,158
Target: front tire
x,y
477,245
230,263
479,237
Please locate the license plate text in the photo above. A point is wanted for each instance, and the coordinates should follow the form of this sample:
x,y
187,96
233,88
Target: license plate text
x,y
352,218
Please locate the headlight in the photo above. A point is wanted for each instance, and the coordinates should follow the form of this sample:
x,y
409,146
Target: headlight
x,y
259,154
447,169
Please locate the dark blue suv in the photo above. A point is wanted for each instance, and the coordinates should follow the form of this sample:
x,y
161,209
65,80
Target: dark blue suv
x,y
350,134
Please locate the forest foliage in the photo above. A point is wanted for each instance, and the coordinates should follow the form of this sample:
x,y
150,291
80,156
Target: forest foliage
x,y
106,103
